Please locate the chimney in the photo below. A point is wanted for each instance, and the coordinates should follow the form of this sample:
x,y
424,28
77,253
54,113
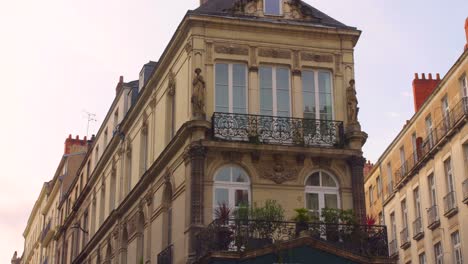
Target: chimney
x,y
202,2
367,168
423,88
466,32
119,86
73,145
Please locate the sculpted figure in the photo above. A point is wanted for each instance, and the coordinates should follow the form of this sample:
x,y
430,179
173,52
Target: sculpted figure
x,y
352,102
198,96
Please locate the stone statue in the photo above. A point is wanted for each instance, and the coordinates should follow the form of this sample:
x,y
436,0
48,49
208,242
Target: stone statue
x,y
352,102
198,96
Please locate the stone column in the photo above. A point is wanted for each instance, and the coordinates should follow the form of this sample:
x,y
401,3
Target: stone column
x,y
195,160
357,183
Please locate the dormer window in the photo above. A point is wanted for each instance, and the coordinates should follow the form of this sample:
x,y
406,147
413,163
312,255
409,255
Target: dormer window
x,y
273,7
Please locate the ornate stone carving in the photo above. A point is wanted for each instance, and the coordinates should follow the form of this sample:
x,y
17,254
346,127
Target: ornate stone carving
x,y
131,226
232,49
280,172
171,84
306,56
188,47
352,103
198,95
274,53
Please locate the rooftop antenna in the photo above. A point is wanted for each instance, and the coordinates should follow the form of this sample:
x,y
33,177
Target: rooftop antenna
x,y
91,118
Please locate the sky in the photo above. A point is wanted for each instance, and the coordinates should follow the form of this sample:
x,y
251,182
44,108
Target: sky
x,y
61,58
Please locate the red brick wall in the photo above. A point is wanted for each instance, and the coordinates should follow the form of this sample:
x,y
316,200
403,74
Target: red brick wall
x,y
423,88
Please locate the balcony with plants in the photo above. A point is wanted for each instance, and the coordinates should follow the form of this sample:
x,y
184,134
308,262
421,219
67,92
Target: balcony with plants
x,y
276,130
249,229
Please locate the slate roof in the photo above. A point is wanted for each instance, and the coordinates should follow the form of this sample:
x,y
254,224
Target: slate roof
x,y
222,8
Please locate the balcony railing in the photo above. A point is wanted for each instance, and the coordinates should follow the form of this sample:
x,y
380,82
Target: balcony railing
x,y
245,235
393,248
418,229
45,230
260,129
437,134
405,238
450,204
465,191
166,256
433,217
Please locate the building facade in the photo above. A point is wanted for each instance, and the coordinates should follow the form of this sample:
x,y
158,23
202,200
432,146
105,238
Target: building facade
x,y
250,101
419,185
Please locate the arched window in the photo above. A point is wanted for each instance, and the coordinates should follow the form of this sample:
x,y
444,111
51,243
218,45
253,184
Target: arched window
x,y
322,191
231,187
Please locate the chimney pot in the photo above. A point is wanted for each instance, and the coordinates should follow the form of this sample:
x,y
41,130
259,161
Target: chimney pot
x,y
416,76
430,76
438,76
422,88
423,76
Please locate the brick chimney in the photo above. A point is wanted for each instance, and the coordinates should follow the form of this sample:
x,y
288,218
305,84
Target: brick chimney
x,y
202,2
73,145
367,168
423,88
466,32
119,86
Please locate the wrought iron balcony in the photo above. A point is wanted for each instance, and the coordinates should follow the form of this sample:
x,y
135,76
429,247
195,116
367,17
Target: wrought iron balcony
x,y
405,238
45,231
245,235
260,129
393,248
433,217
418,229
465,191
166,256
450,204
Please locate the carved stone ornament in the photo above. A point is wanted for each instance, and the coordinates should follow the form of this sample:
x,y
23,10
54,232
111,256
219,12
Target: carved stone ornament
x,y
306,56
352,103
274,53
188,47
171,84
131,226
198,95
231,49
280,171
115,232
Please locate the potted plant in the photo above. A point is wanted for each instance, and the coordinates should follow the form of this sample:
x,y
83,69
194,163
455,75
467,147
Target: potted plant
x,y
302,220
331,219
223,232
266,220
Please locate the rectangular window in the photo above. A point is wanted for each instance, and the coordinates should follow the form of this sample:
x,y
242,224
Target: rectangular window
x,y
403,161
393,226
464,86
449,175
432,189
438,253
144,150
465,156
272,7
231,88
389,178
371,195
116,119
422,258
404,214
379,186
417,202
430,138
456,245
88,170
97,154
317,94
415,147
275,91
105,138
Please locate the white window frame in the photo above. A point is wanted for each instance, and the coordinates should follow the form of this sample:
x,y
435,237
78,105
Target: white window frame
x,y
403,159
415,146
429,129
274,88
456,245
321,191
422,258
439,253
404,213
232,187
432,189
230,65
371,195
379,186
448,171
417,202
393,226
317,91
464,85
280,8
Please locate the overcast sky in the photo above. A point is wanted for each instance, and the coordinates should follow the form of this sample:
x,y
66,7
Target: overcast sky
x,y
60,58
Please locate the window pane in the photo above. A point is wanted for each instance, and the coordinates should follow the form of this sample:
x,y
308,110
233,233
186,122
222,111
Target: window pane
x,y
314,180
222,88
325,95
221,196
327,180
239,88
312,201
238,175
272,7
308,94
282,91
241,197
224,175
266,91
331,201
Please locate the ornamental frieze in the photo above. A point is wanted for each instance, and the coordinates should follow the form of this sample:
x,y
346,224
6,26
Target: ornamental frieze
x,y
280,171
233,50
274,53
306,56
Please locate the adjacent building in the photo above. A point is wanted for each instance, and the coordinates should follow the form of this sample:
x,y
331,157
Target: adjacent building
x,y
419,186
250,101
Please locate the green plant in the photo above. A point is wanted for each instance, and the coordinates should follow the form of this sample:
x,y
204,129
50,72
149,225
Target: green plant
x,y
302,215
222,213
271,211
337,216
242,212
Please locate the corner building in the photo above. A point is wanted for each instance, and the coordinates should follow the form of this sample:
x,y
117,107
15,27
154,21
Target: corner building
x,y
419,186
251,100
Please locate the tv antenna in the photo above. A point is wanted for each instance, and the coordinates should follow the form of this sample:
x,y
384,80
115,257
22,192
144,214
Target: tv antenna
x,y
91,118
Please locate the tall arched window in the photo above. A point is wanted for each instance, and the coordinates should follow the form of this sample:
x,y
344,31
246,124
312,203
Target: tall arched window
x,y
231,187
322,191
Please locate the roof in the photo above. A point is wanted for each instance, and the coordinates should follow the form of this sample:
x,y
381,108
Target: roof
x,y
226,8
